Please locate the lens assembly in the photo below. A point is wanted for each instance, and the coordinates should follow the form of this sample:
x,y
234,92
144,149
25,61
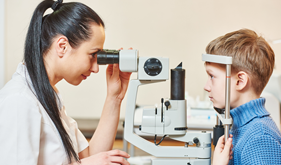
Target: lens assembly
x,y
107,56
152,67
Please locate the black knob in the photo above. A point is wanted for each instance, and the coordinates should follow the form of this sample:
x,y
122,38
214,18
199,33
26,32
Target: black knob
x,y
167,104
152,67
196,140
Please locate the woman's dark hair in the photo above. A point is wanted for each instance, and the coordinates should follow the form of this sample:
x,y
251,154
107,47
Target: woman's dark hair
x,y
73,20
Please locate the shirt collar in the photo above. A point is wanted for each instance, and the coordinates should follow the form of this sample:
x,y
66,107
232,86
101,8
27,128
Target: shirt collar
x,y
247,112
22,71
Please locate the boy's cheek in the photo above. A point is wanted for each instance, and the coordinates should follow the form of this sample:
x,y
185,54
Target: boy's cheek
x,y
219,104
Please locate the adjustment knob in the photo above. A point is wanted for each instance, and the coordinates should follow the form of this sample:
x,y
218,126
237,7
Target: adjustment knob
x,y
196,140
167,104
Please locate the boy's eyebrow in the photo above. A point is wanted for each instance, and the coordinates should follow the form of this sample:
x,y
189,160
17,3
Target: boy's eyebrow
x,y
209,71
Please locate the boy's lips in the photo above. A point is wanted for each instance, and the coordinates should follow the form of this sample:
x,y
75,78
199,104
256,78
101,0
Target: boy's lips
x,y
211,98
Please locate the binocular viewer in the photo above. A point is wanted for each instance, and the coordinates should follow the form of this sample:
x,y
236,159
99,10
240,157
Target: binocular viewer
x,y
148,68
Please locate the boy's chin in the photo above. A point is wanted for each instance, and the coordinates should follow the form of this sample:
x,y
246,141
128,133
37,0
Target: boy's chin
x,y
219,106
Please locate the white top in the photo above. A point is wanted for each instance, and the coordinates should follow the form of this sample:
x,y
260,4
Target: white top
x,y
27,134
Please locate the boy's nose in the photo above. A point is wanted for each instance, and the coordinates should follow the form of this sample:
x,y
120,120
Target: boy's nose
x,y
207,87
95,67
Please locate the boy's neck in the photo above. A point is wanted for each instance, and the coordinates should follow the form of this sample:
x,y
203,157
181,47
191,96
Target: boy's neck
x,y
243,98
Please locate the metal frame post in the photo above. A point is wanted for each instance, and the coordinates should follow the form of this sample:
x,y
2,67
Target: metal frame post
x,y
2,43
227,100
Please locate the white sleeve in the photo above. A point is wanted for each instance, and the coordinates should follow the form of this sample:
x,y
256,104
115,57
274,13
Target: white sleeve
x,y
20,126
81,140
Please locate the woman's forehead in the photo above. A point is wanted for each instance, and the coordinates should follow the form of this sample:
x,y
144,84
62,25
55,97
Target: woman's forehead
x,y
98,35
96,40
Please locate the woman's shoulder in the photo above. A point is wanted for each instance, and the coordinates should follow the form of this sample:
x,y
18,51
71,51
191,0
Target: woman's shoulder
x,y
17,93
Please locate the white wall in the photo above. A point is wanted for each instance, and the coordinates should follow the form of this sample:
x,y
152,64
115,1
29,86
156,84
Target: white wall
x,y
2,41
178,29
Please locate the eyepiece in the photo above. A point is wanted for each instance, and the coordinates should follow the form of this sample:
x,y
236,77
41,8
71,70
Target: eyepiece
x,y
127,59
107,56
177,83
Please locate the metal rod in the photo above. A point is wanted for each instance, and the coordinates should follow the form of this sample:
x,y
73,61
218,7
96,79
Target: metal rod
x,y
132,150
125,145
2,42
227,100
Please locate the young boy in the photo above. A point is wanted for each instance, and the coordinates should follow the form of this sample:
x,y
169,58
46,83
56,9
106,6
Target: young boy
x,y
256,138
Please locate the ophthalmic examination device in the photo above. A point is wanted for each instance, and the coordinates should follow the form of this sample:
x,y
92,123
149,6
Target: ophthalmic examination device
x,y
170,118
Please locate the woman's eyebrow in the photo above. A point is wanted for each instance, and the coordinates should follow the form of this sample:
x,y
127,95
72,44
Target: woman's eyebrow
x,y
98,49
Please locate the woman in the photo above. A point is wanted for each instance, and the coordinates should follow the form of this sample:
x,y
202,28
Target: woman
x,y
60,45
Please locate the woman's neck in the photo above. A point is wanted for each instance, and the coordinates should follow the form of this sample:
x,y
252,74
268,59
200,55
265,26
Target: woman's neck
x,y
52,70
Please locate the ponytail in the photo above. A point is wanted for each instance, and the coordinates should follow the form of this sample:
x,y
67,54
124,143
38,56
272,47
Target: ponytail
x,y
71,20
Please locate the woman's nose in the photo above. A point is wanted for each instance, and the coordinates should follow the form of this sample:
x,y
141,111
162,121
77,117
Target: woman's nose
x,y
95,67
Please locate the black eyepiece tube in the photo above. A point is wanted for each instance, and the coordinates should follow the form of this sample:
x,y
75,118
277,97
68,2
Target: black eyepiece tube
x,y
107,56
218,131
178,83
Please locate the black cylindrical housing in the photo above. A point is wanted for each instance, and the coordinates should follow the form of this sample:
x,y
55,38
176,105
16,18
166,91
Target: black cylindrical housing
x,y
218,131
177,84
107,56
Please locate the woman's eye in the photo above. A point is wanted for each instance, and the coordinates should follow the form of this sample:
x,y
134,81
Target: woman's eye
x,y
94,55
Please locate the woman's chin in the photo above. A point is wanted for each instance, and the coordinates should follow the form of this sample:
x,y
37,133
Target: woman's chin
x,y
75,83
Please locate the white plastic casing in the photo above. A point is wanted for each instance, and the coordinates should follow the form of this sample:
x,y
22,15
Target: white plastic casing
x,y
128,60
180,152
221,59
172,118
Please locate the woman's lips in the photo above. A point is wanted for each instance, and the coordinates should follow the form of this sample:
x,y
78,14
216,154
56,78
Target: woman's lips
x,y
84,77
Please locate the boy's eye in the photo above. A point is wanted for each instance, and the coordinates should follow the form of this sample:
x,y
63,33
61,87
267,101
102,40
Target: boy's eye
x,y
211,76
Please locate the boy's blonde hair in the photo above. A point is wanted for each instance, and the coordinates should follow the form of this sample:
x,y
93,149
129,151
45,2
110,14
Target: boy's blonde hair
x,y
250,53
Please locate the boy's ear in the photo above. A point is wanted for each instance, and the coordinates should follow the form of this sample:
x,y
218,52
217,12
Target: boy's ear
x,y
62,46
242,80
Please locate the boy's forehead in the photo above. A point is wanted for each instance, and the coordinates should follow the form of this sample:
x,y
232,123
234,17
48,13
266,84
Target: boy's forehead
x,y
214,66
210,64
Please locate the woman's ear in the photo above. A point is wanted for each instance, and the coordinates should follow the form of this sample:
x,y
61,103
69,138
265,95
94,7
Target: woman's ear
x,y
62,46
242,80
